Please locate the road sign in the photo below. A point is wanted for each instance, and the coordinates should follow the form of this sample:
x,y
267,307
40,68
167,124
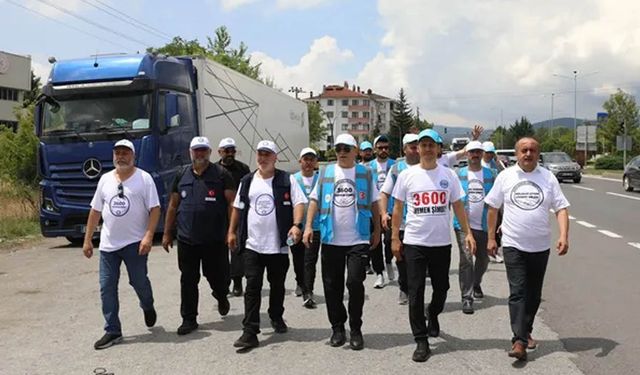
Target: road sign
x,y
586,132
620,142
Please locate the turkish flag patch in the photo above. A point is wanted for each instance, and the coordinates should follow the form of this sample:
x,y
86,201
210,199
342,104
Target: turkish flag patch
x,y
286,196
212,193
362,195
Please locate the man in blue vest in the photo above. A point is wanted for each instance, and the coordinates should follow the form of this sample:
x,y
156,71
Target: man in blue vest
x,y
366,152
476,182
385,204
266,219
379,167
305,258
345,196
199,206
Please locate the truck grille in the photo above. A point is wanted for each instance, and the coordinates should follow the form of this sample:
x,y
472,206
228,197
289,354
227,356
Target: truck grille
x,y
72,186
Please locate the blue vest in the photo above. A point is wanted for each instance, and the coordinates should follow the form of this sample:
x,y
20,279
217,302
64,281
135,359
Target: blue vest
x,y
316,222
394,172
488,176
363,192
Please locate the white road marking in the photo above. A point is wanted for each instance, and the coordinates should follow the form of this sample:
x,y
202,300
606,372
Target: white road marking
x,y
623,195
571,217
582,187
635,244
609,234
585,224
601,178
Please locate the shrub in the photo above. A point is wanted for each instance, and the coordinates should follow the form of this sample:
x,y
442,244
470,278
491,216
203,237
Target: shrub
x,y
609,162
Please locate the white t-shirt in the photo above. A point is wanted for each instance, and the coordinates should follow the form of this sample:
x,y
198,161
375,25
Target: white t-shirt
x,y
475,198
262,228
381,172
387,188
428,194
344,208
527,198
308,184
448,160
124,220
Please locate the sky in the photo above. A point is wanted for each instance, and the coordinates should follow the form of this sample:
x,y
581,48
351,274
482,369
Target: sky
x,y
460,62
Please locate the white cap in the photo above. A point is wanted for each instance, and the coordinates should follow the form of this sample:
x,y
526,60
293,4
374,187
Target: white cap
x,y
474,145
267,146
488,146
199,142
125,143
227,142
346,139
409,138
307,151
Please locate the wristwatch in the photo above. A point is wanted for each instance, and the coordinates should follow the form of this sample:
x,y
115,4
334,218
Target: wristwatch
x,y
299,225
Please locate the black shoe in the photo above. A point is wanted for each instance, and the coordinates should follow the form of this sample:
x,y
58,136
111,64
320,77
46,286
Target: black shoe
x,y
279,326
237,287
477,292
108,340
150,317
369,270
356,341
467,306
337,337
187,327
223,306
246,341
422,352
309,302
298,291
433,328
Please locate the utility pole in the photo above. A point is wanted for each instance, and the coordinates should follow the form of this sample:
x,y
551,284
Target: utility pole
x,y
553,94
296,90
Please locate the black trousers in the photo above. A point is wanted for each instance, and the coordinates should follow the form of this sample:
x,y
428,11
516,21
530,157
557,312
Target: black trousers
x,y
254,267
237,265
215,268
402,271
384,247
437,260
525,272
305,260
333,260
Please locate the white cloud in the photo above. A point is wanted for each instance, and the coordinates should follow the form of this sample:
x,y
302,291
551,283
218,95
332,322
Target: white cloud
x,y
320,65
229,5
71,5
300,4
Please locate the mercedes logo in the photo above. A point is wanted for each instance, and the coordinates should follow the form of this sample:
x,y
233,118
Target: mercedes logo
x,y
92,168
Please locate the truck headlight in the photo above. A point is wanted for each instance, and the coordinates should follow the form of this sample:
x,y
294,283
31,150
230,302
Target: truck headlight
x,y
47,205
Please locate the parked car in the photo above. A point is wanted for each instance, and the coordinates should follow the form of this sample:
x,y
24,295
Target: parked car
x,y
631,175
561,165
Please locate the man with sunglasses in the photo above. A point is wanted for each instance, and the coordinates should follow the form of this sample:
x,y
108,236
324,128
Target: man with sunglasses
x,y
345,197
199,207
366,152
127,200
238,169
379,166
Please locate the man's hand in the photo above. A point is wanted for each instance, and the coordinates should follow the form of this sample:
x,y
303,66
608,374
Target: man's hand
x,y
562,246
492,247
385,220
396,249
296,233
167,241
232,241
375,238
470,243
145,245
87,249
476,132
307,237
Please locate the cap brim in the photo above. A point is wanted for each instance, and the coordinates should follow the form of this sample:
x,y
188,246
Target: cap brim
x,y
266,149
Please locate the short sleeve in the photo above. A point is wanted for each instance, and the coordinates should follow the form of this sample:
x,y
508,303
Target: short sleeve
x,y
399,189
152,193
457,192
297,195
387,187
236,200
495,198
97,202
227,179
375,194
176,180
559,200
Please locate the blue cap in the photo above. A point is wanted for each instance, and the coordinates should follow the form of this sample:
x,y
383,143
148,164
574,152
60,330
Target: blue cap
x,y
430,133
366,145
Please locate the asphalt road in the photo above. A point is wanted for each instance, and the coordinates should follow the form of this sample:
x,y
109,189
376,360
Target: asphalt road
x,y
591,296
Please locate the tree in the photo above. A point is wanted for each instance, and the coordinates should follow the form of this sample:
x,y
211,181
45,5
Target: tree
x,y
623,111
317,132
401,123
557,139
31,95
501,138
521,129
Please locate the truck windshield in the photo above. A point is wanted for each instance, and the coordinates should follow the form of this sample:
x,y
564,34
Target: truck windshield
x,y
97,115
556,158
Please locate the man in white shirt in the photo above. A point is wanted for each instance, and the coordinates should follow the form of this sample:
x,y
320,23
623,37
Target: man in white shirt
x,y
527,192
428,190
345,196
266,219
127,200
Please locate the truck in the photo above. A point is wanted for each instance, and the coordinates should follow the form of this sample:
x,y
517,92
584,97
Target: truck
x,y
159,103
459,143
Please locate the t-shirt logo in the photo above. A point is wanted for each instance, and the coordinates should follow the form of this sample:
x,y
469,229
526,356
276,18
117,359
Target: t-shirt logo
x,y
381,178
430,203
444,184
344,193
475,191
527,195
264,205
119,206
183,194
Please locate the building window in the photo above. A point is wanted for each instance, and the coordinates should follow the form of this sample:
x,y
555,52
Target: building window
x,y
345,126
329,102
8,94
13,125
354,102
329,114
345,102
365,102
354,114
345,114
365,114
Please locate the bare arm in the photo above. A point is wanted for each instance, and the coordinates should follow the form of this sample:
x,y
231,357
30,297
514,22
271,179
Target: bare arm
x,y
396,221
307,237
458,209
232,240
492,221
298,214
563,223
92,223
375,236
383,201
170,221
147,240
476,132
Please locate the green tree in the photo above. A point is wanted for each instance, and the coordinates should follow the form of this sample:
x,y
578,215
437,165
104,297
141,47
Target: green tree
x,y
31,95
501,138
317,132
521,128
556,139
622,110
401,123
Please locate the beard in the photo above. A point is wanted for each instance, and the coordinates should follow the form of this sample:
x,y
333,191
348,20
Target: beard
x,y
367,158
228,160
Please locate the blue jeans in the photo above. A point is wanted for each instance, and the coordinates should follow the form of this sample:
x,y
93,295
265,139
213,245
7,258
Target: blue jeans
x,y
109,277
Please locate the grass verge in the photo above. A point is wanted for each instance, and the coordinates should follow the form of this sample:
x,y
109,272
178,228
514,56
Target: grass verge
x,y
18,216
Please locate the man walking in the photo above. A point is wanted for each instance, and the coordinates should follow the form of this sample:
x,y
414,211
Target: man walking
x,y
266,219
200,202
366,152
127,200
238,169
476,182
428,189
345,196
527,192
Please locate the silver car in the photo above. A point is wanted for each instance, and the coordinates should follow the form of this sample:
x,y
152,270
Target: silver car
x,y
561,165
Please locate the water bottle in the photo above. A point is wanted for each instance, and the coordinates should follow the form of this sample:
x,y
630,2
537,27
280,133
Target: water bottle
x,y
290,240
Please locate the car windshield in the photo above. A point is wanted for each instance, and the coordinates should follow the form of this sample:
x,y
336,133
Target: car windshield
x,y
97,115
556,158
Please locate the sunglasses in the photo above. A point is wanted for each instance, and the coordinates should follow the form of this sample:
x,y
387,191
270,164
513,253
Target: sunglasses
x,y
382,147
229,150
120,190
343,148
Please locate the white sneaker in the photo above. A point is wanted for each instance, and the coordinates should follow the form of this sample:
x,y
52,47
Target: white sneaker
x,y
379,284
492,259
499,258
403,299
390,272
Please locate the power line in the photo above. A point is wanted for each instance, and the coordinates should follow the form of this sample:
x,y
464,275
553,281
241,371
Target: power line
x,y
73,14
113,12
65,24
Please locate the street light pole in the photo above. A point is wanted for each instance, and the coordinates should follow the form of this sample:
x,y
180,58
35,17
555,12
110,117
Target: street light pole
x,y
296,90
553,94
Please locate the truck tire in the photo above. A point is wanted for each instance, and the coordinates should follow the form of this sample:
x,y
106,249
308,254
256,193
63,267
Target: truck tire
x,y
577,180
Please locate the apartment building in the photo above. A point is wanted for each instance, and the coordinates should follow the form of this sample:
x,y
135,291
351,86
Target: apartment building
x,y
15,80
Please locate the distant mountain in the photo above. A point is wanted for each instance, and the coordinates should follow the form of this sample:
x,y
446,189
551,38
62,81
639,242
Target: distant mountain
x,y
563,122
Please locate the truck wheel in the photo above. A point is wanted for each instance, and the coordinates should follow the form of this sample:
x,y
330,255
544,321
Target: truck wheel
x,y
625,184
577,180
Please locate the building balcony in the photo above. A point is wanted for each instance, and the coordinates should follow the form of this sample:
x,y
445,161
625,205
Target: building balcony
x,y
359,108
359,120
